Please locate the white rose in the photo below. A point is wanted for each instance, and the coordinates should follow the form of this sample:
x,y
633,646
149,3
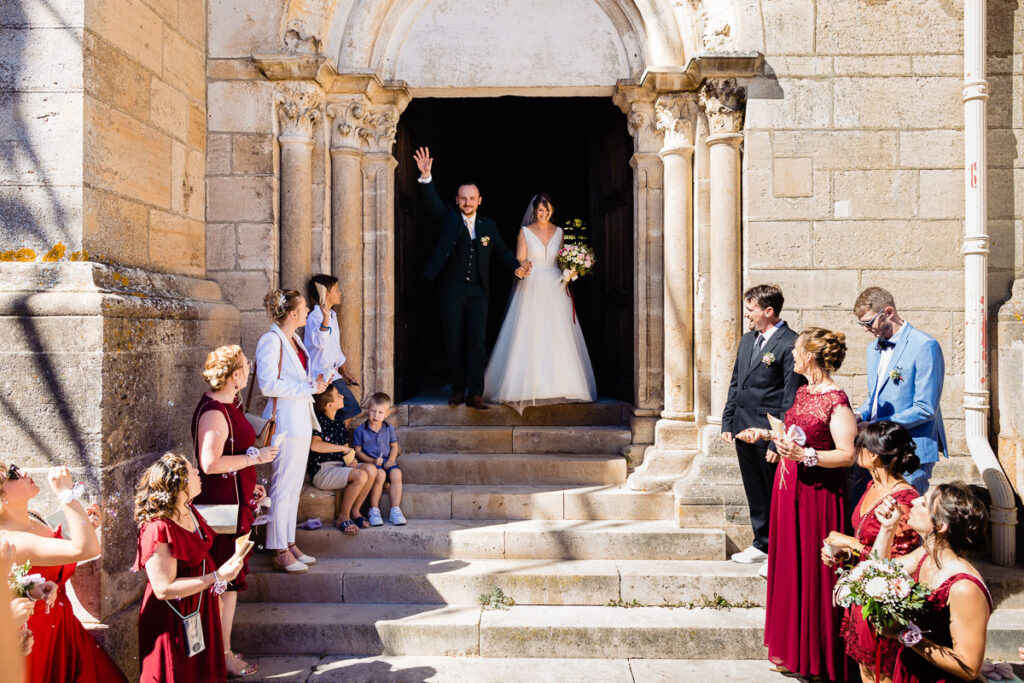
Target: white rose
x,y
876,588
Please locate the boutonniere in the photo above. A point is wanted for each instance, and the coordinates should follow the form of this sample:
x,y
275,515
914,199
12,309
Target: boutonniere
x,y
485,240
896,375
768,358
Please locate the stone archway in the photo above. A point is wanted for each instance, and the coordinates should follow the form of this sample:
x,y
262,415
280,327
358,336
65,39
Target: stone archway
x,y
388,52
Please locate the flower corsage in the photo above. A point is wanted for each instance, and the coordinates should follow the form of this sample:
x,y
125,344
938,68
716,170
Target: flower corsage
x,y
896,375
768,359
485,240
23,584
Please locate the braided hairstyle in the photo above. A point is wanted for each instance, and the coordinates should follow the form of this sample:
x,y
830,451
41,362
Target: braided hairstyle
x,y
892,444
827,347
280,302
157,494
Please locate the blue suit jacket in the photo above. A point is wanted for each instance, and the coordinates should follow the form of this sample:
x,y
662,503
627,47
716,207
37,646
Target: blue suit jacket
x,y
912,401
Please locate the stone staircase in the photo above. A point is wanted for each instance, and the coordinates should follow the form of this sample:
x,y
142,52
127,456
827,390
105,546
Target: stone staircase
x,y
606,584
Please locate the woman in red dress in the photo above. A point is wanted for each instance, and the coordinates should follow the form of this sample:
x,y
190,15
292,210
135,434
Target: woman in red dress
x,y
223,441
886,450
947,642
179,623
808,503
62,649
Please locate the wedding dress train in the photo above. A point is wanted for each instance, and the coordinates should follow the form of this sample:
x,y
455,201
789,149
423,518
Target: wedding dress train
x,y
540,357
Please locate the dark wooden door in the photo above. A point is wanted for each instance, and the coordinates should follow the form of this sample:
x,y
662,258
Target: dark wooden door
x,y
577,150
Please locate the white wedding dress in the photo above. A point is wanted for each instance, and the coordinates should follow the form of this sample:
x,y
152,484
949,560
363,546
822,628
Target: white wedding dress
x,y
540,356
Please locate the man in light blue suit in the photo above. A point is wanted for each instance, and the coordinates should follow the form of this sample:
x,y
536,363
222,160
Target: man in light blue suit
x,y
905,371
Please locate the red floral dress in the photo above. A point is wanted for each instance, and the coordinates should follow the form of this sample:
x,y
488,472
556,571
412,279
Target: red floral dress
x,y
63,650
861,642
801,628
910,666
163,653
228,488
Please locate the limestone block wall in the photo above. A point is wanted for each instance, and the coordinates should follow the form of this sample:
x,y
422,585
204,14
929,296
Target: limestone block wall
x,y
853,168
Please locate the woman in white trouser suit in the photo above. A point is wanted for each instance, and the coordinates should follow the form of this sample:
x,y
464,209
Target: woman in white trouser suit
x,y
293,388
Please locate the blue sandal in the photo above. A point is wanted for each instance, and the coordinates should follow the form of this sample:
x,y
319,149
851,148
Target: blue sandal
x,y
346,525
361,522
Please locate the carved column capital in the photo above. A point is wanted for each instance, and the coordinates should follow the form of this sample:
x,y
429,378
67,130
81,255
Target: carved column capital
x,y
346,119
724,102
298,109
676,116
379,127
642,125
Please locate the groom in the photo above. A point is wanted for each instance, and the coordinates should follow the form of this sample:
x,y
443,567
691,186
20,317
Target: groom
x,y
461,262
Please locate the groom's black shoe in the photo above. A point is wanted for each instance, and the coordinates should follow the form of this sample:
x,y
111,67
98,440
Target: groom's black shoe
x,y
478,403
457,397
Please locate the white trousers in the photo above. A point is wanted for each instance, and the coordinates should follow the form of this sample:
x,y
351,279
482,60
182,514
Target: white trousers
x,y
287,474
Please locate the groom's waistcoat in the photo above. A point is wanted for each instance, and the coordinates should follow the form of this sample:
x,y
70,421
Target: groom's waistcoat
x,y
464,263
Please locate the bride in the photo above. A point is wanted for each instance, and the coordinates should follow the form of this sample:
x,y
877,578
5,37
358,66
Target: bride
x,y
540,356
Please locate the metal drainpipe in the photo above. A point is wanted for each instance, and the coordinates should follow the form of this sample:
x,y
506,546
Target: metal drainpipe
x,y
975,249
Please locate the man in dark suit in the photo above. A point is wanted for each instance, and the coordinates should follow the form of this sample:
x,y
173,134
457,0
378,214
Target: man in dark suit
x,y
461,264
763,382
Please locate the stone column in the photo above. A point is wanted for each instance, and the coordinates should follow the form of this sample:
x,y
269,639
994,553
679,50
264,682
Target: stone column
x,y
677,117
298,109
377,130
347,223
648,294
723,101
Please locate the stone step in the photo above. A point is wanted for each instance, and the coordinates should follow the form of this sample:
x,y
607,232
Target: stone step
x,y
528,582
523,501
585,632
513,439
506,468
333,669
528,539
602,413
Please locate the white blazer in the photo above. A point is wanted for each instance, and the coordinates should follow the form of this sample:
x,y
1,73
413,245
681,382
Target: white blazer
x,y
294,389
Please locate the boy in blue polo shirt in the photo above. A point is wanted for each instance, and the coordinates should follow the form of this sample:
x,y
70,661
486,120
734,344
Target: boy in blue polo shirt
x,y
376,442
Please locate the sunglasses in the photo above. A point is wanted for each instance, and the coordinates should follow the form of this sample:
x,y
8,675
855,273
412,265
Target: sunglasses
x,y
868,324
13,473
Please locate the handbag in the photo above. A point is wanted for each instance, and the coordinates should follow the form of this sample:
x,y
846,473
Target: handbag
x,y
222,517
264,428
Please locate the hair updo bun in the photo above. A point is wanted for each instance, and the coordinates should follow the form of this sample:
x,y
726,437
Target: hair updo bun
x,y
963,513
892,443
220,364
280,302
828,348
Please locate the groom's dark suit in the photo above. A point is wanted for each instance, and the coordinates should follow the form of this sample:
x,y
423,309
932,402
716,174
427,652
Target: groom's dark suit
x,y
462,266
760,386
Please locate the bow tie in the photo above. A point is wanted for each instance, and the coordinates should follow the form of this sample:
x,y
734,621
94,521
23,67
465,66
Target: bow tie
x,y
884,344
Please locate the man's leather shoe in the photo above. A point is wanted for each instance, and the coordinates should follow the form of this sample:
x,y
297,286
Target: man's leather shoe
x,y
478,403
456,398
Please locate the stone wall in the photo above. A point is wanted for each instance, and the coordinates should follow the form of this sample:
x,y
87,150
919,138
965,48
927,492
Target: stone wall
x,y
854,169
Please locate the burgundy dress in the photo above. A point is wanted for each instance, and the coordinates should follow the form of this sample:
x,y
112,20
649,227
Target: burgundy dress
x,y
861,642
226,489
163,653
63,650
801,628
910,666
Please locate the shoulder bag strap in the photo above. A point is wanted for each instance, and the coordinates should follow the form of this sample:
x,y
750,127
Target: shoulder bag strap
x,y
280,360
252,383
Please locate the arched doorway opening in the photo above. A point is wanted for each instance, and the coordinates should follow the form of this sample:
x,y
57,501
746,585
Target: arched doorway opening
x,y
577,150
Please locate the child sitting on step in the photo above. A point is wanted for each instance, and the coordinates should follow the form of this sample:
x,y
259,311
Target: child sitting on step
x,y
332,463
376,443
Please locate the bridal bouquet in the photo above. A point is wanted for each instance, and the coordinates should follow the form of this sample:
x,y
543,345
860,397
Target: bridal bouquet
x,y
575,260
887,595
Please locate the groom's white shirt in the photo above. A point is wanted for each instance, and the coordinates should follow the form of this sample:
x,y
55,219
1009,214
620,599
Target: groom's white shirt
x,y
468,221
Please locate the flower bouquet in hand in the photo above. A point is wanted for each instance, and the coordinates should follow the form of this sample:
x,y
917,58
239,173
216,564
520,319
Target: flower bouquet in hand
x,y
887,595
575,260
25,585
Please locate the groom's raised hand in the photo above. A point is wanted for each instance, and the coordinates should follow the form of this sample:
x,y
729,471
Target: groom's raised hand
x,y
423,161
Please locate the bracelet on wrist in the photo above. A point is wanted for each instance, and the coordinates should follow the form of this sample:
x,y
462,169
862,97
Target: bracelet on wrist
x,y
911,635
810,457
253,454
74,493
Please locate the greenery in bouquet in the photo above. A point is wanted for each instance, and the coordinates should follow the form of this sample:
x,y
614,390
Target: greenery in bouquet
x,y
22,583
887,595
575,260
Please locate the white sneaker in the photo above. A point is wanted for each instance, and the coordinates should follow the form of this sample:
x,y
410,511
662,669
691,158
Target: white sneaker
x,y
763,571
397,518
750,556
374,516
